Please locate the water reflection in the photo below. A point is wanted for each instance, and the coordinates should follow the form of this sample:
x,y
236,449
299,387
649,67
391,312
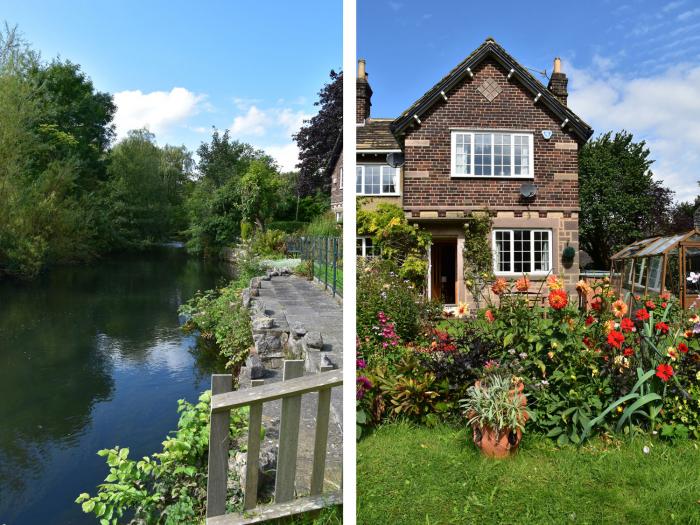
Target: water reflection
x,y
90,357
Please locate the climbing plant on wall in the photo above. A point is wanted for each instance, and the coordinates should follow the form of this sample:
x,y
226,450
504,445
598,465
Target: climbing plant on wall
x,y
477,255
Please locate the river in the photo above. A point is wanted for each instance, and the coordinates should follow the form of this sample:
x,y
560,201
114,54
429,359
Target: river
x,y
91,356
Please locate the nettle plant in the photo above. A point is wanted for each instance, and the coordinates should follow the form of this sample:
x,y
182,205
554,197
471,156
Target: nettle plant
x,y
168,487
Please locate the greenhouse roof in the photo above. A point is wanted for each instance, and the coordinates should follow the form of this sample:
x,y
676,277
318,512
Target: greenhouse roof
x,y
651,246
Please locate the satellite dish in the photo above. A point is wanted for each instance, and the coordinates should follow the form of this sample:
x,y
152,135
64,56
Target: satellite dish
x,y
395,160
528,190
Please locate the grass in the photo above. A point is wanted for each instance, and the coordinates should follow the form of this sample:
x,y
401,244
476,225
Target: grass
x,y
320,273
419,475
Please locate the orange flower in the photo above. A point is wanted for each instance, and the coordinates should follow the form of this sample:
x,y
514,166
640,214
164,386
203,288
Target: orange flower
x,y
489,316
619,308
558,299
609,326
583,287
554,283
522,284
499,286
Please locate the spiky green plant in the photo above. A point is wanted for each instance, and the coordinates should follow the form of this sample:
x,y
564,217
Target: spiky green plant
x,y
496,404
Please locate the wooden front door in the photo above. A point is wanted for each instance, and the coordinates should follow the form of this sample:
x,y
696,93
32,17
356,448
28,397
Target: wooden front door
x,y
443,275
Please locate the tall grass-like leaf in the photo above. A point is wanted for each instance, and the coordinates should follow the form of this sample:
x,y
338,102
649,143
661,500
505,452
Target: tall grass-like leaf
x,y
634,406
593,422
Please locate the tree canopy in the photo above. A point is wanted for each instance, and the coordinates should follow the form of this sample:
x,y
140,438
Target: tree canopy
x,y
317,138
620,200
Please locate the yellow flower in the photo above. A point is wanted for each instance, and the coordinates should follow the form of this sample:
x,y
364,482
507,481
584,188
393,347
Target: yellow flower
x,y
394,222
583,287
672,353
619,409
609,326
554,283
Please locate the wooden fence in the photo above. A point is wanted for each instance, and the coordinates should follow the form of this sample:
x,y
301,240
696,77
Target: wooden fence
x,y
289,391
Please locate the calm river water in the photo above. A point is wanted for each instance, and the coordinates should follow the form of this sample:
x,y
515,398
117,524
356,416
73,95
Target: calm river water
x,y
91,357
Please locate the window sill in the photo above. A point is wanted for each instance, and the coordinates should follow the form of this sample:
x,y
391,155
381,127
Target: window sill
x,y
377,195
536,275
497,177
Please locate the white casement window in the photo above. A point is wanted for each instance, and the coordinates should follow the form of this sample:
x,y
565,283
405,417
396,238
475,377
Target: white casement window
x,y
340,183
492,154
339,216
365,247
522,251
376,179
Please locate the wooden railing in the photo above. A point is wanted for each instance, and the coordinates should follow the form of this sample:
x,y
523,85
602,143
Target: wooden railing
x,y
289,391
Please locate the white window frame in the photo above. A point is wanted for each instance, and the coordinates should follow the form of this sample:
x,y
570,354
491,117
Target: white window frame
x,y
364,255
397,180
472,133
340,183
512,231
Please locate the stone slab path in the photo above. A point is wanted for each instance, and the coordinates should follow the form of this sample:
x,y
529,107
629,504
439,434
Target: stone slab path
x,y
290,299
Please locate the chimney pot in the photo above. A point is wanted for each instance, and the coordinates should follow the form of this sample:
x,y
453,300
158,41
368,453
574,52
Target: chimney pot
x,y
557,65
361,69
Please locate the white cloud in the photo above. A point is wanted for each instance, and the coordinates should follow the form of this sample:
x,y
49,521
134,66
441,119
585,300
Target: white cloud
x,y
259,122
158,111
286,155
662,109
688,14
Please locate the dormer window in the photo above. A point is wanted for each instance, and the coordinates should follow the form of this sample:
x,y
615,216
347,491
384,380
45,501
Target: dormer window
x,y
492,154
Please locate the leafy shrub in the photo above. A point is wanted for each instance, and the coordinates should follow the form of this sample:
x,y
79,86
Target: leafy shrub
x,y
381,290
168,487
324,226
288,226
246,230
269,243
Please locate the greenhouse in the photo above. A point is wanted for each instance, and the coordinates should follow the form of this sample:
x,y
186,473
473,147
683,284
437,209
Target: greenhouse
x,y
658,264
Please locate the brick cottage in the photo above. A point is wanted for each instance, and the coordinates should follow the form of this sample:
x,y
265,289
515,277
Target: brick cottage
x,y
488,136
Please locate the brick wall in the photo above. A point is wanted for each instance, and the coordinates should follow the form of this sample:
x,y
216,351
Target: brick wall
x,y
427,181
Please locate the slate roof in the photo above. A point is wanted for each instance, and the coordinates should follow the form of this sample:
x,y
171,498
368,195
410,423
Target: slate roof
x,y
375,134
491,49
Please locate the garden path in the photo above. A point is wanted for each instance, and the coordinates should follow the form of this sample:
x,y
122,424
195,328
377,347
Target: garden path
x,y
290,299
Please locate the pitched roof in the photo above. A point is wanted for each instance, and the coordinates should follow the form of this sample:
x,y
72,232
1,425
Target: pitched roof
x,y
375,134
491,49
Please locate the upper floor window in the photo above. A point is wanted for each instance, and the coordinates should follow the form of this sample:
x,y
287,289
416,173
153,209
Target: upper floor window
x,y
522,251
491,154
376,179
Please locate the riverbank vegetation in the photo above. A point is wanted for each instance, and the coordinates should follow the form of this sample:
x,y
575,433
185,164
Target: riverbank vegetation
x,y
71,190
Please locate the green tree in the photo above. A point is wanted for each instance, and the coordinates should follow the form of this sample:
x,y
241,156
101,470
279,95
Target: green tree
x,y
620,200
214,202
259,193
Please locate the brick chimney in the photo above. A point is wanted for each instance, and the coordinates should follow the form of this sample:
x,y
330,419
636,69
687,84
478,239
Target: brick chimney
x,y
558,82
364,93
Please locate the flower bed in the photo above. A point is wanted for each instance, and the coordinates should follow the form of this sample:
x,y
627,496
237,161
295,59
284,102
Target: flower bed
x,y
612,367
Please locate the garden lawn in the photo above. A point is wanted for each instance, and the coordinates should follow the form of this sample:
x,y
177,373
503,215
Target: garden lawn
x,y
419,475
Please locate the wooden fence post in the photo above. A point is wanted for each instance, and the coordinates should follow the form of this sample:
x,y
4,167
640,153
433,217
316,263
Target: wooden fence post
x,y
250,497
218,450
289,436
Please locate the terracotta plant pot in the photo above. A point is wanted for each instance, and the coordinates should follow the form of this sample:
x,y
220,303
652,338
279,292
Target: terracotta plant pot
x,y
497,446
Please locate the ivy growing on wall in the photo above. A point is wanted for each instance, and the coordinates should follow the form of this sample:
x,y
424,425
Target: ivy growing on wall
x,y
477,254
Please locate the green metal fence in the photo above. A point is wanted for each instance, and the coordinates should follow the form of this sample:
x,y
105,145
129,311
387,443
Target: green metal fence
x,y
326,255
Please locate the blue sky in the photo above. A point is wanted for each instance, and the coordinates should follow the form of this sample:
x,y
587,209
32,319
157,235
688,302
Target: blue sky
x,y
632,64
180,67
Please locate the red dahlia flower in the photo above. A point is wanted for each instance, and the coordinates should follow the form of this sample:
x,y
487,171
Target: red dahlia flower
x,y
650,304
642,314
590,320
616,338
628,352
683,348
664,372
558,299
596,303
662,327
627,325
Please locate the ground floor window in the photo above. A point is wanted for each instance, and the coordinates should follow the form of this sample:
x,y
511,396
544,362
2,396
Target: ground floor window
x,y
365,247
519,251
339,216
